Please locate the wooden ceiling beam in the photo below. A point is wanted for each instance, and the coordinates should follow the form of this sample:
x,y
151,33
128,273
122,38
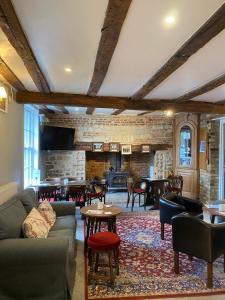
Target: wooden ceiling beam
x,y
211,85
12,28
117,112
115,15
10,77
144,113
213,26
117,102
62,109
44,109
90,110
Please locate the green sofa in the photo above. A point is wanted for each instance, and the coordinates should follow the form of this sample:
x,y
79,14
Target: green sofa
x,y
36,268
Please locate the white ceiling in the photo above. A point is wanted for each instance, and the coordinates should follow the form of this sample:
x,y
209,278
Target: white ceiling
x,y
67,34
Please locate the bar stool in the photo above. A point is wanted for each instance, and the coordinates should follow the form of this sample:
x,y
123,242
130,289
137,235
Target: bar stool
x,y
103,243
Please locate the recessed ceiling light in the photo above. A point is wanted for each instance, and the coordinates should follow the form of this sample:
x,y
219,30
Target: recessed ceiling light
x,y
68,70
170,20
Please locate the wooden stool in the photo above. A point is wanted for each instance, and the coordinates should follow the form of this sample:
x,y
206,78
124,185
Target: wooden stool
x,y
103,243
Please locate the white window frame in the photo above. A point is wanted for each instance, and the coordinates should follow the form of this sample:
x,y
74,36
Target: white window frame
x,y
31,143
221,159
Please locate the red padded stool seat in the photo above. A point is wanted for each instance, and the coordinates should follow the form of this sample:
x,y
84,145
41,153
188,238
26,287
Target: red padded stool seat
x,y
139,190
107,243
103,241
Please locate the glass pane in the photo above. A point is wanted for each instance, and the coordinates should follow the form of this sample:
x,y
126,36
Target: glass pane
x,y
185,146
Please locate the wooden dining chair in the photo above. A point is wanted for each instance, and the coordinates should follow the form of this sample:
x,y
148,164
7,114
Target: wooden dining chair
x,y
96,192
134,190
175,184
51,193
76,194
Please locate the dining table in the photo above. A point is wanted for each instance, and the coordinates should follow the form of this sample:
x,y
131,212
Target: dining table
x,y
215,209
96,214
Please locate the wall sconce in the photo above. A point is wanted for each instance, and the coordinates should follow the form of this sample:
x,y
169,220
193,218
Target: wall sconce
x,y
3,99
3,93
169,113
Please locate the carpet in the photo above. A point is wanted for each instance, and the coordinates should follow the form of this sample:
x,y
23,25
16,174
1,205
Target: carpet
x,y
146,265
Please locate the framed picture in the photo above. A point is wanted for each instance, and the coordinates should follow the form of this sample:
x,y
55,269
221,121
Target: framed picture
x,y
4,105
145,148
126,149
114,147
97,147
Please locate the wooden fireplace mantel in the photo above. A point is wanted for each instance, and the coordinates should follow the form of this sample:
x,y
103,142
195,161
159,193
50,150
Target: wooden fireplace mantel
x,y
87,146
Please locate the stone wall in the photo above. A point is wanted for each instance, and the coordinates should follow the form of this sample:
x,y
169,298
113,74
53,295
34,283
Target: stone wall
x,y
62,163
121,129
209,178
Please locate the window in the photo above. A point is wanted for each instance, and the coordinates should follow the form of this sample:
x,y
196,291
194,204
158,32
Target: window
x,y
185,146
31,143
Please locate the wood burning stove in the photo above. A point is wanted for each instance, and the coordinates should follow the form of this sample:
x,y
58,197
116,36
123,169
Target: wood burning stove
x,y
117,180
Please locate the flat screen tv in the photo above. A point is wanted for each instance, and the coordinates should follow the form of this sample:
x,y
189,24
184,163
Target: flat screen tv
x,y
56,138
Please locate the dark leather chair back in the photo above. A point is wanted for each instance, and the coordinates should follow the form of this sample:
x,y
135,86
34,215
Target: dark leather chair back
x,y
195,237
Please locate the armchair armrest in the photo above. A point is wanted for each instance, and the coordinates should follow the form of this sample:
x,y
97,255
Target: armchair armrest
x,y
64,208
168,209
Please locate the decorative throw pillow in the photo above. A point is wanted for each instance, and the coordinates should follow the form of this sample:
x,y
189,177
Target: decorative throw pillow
x,y
47,212
35,226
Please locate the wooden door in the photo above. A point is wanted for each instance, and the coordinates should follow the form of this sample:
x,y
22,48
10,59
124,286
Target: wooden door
x,y
186,154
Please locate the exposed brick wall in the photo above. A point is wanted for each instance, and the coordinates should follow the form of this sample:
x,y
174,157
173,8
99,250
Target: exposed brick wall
x,y
122,129
209,178
137,164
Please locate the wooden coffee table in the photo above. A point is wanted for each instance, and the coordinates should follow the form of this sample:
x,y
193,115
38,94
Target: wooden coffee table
x,y
213,210
95,216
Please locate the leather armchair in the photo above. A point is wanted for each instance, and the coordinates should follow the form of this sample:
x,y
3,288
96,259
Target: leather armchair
x,y
195,237
171,205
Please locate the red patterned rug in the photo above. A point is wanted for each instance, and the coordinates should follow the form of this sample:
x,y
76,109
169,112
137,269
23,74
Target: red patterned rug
x,y
146,265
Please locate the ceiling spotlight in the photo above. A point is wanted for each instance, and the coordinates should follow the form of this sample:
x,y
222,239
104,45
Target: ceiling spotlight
x,y
68,70
170,20
169,113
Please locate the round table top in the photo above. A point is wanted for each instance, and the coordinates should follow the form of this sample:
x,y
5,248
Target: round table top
x,y
108,211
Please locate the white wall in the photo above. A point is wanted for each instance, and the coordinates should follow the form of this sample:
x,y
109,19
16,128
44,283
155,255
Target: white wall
x,y
11,145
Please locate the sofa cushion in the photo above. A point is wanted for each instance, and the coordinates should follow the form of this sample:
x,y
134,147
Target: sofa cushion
x,y
61,233
35,226
64,222
46,210
29,199
12,215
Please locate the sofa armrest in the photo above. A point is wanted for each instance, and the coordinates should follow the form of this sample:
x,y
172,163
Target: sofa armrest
x,y
64,208
40,265
24,251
